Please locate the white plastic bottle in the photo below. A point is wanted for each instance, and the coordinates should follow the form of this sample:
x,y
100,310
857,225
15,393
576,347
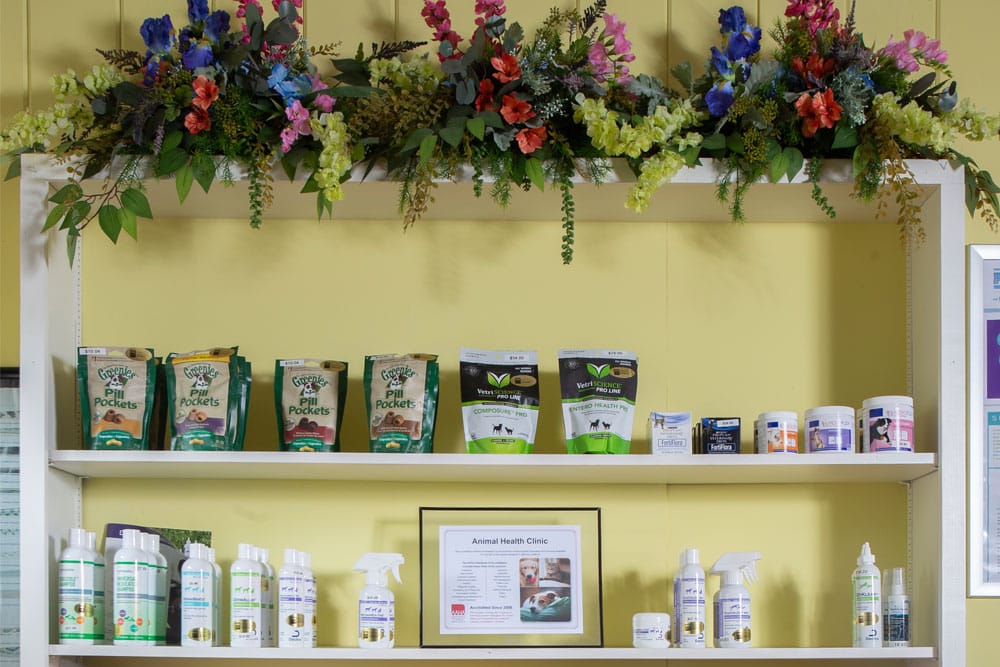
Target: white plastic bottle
x,y
268,586
691,624
245,600
217,598
866,586
99,583
291,608
198,602
376,603
79,622
158,589
732,600
309,600
897,611
131,579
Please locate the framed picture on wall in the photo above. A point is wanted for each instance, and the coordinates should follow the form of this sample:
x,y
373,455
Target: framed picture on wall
x,y
984,420
509,577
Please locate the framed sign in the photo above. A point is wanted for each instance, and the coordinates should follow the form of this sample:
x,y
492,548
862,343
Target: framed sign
x,y
984,420
507,577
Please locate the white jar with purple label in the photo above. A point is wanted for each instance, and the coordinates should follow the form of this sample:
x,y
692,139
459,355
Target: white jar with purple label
x,y
887,424
829,428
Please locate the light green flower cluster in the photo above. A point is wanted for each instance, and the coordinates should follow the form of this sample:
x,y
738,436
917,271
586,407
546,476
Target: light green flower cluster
x,y
655,172
912,124
609,132
974,125
64,120
418,74
335,158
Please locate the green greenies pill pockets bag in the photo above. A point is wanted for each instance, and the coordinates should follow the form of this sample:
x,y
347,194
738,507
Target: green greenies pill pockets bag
x,y
598,399
401,393
309,396
499,400
207,391
116,386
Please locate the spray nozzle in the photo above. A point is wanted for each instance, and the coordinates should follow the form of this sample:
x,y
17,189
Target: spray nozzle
x,y
741,563
376,565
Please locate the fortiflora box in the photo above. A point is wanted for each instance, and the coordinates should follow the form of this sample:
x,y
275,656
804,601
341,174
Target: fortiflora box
x,y
670,432
720,435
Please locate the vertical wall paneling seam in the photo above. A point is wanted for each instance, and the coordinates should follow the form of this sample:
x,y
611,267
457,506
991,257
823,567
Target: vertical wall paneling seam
x,y
25,70
121,24
395,21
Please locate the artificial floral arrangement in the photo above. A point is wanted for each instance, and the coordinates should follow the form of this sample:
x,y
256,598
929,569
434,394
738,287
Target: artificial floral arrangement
x,y
521,111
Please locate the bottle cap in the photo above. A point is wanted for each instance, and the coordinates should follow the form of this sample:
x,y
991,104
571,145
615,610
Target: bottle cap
x,y
689,557
77,537
130,538
244,551
291,557
898,581
866,557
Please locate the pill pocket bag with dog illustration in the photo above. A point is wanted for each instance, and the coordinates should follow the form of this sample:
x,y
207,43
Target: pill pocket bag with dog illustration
x,y
598,399
309,396
401,392
116,386
499,400
203,392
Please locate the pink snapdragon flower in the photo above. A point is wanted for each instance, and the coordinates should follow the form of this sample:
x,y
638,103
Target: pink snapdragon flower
x,y
299,116
818,14
436,16
914,45
288,138
488,8
325,103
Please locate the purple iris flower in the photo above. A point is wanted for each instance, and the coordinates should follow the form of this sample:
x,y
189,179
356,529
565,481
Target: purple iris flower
x,y
217,25
197,10
158,34
198,55
743,44
732,19
720,61
719,98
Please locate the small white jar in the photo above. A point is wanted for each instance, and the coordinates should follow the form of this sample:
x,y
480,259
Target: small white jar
x,y
887,424
651,630
778,432
830,428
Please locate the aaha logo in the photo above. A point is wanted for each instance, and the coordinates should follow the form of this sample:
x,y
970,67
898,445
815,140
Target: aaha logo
x,y
458,611
201,374
115,377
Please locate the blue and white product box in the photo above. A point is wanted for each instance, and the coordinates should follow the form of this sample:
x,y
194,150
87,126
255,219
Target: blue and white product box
x,y
670,432
720,435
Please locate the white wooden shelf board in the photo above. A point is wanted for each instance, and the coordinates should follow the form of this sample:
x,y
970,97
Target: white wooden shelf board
x,y
511,654
565,468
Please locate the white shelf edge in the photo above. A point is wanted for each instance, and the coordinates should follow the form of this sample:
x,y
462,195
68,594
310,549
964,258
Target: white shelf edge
x,y
513,654
516,468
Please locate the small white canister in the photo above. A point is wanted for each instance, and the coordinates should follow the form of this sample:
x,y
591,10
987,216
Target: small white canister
x,y
651,630
830,428
887,424
778,432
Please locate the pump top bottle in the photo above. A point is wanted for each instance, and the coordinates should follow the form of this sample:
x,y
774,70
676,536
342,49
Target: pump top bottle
x,y
376,603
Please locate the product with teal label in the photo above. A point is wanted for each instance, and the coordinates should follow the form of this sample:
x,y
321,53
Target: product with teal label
x,y
116,387
309,397
598,399
401,392
499,400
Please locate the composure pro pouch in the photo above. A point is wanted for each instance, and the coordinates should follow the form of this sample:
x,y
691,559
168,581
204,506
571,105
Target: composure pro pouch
x,y
499,400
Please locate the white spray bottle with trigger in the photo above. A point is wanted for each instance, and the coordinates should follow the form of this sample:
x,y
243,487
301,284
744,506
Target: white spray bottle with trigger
x,y
376,603
732,600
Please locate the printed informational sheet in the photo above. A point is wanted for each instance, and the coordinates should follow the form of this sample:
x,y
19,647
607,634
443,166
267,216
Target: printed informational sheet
x,y
10,587
991,412
510,580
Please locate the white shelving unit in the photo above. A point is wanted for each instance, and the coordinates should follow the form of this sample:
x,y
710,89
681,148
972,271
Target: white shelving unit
x,y
52,469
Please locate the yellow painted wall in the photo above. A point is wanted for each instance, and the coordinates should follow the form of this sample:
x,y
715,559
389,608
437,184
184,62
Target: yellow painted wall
x,y
726,319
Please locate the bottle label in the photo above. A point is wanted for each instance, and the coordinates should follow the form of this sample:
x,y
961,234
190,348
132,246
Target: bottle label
x,y
81,613
130,603
291,612
732,620
197,603
245,609
692,612
897,622
867,610
376,620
